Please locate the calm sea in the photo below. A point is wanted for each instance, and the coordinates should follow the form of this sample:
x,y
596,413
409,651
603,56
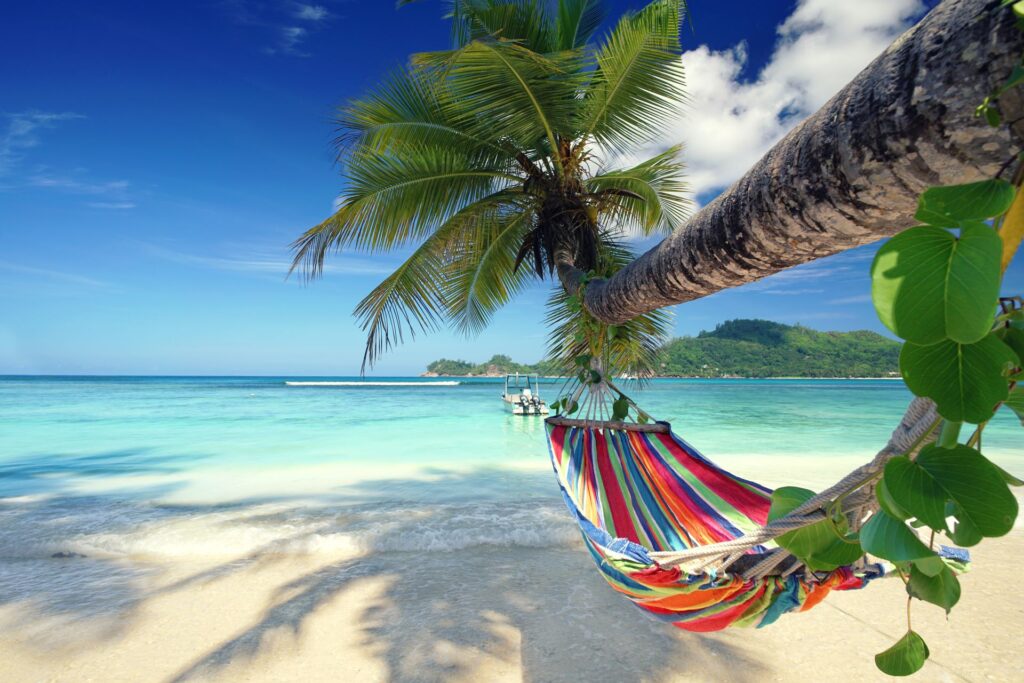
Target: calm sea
x,y
183,466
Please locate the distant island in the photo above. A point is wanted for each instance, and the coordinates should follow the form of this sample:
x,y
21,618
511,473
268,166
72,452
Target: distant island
x,y
736,348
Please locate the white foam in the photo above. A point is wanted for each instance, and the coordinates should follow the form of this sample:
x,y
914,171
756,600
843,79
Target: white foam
x,y
446,383
140,531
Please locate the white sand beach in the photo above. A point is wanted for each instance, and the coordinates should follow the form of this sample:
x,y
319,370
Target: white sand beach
x,y
485,614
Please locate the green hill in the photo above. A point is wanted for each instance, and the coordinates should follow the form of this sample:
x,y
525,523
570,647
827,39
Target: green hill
x,y
740,348
761,348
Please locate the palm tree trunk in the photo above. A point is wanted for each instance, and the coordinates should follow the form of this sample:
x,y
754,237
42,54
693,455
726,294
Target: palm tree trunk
x,y
848,175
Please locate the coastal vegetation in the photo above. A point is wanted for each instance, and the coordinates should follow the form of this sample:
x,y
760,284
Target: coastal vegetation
x,y
738,348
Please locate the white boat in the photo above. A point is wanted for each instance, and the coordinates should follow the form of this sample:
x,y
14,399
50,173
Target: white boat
x,y
522,395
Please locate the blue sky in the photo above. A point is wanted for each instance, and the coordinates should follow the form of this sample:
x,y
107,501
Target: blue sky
x,y
156,159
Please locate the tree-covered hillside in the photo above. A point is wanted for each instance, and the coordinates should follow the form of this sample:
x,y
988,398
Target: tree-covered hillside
x,y
499,364
740,348
761,348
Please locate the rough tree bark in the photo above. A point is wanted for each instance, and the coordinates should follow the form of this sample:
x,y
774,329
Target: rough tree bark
x,y
848,175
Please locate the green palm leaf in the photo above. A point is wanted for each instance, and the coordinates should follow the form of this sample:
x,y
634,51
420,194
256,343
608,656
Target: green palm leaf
x,y
578,20
637,89
394,199
501,88
649,197
484,277
415,296
632,348
409,109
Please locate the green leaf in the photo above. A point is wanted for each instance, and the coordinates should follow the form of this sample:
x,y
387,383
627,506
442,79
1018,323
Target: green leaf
x,y
1018,8
973,484
584,360
928,284
942,589
1014,338
929,566
572,407
890,539
963,532
1015,402
951,205
595,376
620,409
966,381
887,503
914,490
906,657
819,545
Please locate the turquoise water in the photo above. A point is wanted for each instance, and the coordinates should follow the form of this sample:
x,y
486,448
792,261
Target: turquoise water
x,y
183,465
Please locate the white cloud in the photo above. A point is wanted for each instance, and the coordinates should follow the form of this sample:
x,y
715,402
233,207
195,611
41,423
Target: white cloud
x,y
859,299
111,205
60,276
288,43
73,185
268,262
22,131
313,13
730,122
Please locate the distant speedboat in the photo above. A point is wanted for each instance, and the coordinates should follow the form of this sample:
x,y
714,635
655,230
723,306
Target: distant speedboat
x,y
522,395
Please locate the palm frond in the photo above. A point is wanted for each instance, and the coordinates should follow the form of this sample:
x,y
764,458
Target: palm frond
x,y
506,90
524,21
415,296
632,348
484,277
637,88
409,109
577,22
394,199
648,197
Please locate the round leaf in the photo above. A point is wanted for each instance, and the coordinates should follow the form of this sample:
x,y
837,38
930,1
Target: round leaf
x,y
914,490
973,484
890,539
953,204
966,381
906,657
928,285
942,589
887,503
820,545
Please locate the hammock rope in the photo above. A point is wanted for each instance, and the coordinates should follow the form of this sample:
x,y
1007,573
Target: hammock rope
x,y
690,542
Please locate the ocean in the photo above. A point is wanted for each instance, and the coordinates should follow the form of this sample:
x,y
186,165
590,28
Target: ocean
x,y
138,468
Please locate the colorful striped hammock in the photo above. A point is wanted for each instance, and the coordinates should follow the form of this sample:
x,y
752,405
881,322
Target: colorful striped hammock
x,y
634,492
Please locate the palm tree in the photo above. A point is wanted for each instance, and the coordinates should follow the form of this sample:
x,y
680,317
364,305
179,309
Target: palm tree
x,y
495,161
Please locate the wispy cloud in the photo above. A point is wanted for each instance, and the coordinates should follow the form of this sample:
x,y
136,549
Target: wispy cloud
x,y
289,25
313,13
55,275
116,206
846,300
267,262
289,38
791,292
22,132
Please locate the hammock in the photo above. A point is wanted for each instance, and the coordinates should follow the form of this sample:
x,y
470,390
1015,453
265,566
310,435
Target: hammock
x,y
691,543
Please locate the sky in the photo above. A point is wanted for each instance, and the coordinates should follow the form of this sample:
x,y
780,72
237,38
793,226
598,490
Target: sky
x,y
156,160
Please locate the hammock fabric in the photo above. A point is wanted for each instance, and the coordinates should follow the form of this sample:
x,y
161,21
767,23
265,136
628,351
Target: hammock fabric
x,y
633,492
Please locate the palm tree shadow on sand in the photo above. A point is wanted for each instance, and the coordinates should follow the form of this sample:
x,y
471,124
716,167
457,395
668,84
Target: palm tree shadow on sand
x,y
541,610
451,597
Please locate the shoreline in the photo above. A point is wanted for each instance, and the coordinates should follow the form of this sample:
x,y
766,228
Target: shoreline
x,y
288,607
